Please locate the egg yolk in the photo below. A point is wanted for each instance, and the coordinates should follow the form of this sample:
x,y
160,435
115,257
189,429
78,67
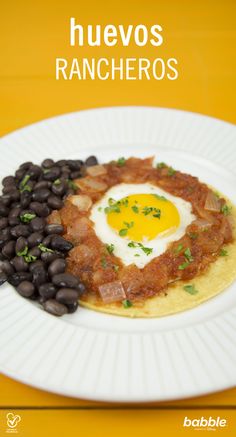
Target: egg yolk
x,y
142,217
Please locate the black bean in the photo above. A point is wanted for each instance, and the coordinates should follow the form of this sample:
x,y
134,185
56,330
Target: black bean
x,y
19,173
39,276
3,278
14,216
26,289
42,185
14,195
3,223
57,266
48,257
81,288
20,231
41,209
72,307
26,165
34,171
55,308
38,224
47,290
65,176
25,199
47,240
8,180
91,160
5,235
5,199
41,195
52,174
74,164
65,280
35,239
61,162
4,210
41,299
54,229
19,264
18,277
7,268
35,251
21,245
75,174
59,189
47,163
9,249
55,202
35,265
59,243
67,295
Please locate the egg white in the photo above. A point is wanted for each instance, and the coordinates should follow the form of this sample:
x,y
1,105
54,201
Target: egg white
x,y
159,244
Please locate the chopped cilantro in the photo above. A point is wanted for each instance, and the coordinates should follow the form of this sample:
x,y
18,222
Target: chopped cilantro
x,y
127,303
146,250
100,209
223,252
137,254
226,209
71,184
135,209
160,197
110,248
23,252
47,170
23,184
188,255
171,171
129,225
190,289
148,209
114,206
104,263
57,182
116,267
121,161
30,258
44,248
161,165
193,235
184,265
27,217
178,249
123,232
132,244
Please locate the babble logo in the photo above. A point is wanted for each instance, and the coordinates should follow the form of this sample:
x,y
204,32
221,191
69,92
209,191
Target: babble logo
x,y
203,422
12,422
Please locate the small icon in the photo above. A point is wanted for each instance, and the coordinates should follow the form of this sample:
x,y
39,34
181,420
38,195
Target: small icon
x,y
12,420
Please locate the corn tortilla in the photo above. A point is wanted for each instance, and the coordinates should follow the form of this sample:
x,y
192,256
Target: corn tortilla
x,y
219,275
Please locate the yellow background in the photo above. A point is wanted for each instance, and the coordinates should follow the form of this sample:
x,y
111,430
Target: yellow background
x,y
201,35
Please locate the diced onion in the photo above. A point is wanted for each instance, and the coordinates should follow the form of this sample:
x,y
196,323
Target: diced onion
x,y
96,170
89,183
212,202
112,292
202,223
82,202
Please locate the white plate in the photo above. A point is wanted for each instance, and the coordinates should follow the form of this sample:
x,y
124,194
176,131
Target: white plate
x,y
97,356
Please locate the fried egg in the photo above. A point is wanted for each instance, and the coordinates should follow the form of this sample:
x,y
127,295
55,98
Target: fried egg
x,y
138,221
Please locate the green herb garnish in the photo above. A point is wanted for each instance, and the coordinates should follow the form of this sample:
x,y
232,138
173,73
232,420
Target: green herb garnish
x,y
148,209
137,254
223,252
27,217
146,250
135,209
44,248
57,182
160,197
23,252
184,265
171,171
190,289
30,258
116,267
121,161
127,303
110,248
132,244
104,263
23,184
114,206
178,249
226,209
100,209
123,232
161,165
193,235
47,170
71,184
188,255
129,225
